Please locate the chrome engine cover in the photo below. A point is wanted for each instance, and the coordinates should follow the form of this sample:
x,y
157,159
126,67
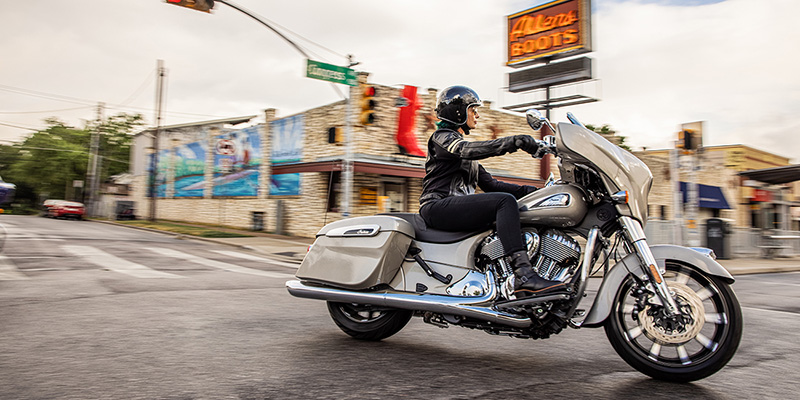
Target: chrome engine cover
x,y
557,257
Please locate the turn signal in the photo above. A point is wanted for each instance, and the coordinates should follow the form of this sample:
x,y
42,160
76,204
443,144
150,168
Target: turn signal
x,y
620,197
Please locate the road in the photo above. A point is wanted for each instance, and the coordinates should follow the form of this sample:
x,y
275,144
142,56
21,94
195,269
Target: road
x,y
96,311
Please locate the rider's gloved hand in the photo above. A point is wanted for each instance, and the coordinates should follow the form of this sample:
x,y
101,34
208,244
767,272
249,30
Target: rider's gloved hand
x,y
526,143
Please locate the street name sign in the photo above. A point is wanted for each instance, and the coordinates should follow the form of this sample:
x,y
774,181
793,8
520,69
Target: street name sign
x,y
331,73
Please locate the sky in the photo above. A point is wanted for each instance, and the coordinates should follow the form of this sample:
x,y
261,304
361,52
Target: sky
x,y
658,63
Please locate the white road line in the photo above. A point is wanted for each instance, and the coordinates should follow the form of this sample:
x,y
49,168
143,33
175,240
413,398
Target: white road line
x,y
9,271
216,264
251,257
116,264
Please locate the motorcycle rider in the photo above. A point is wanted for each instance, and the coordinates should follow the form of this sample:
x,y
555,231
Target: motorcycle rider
x,y
452,172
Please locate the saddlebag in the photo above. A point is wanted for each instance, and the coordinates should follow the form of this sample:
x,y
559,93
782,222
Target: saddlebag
x,y
358,253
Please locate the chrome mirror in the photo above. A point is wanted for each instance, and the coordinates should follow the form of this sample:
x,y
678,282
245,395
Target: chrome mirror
x,y
535,118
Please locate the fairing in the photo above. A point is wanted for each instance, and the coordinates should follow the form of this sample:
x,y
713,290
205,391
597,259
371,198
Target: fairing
x,y
619,169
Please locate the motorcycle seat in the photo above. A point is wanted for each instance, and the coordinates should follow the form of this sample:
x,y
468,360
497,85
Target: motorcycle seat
x,y
424,233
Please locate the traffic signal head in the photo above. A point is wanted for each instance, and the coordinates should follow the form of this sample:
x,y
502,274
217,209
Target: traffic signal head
x,y
199,5
367,115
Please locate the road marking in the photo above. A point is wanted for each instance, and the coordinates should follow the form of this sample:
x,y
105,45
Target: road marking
x,y
768,310
116,264
9,271
251,257
216,264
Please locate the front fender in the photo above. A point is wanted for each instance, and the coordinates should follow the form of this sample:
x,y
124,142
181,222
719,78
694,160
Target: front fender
x,y
603,303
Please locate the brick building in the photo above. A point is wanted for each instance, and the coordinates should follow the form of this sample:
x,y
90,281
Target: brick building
x,y
285,175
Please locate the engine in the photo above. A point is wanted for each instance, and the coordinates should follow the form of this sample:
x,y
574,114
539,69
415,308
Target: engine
x,y
553,254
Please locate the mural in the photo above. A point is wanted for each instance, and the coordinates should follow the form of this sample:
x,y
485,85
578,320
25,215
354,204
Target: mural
x,y
161,173
190,163
237,159
287,147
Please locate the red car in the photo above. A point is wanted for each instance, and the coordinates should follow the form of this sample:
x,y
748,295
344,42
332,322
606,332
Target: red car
x,y
67,209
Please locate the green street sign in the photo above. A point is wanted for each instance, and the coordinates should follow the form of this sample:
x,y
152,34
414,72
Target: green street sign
x,y
331,73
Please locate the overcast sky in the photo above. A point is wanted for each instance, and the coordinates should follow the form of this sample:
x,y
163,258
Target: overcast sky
x,y
659,63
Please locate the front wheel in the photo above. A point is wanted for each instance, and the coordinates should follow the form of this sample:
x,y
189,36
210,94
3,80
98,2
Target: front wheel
x,y
365,322
696,345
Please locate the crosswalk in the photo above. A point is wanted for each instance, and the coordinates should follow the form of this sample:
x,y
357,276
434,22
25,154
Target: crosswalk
x,y
105,260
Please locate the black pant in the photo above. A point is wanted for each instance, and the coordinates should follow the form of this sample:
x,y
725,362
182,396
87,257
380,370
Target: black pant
x,y
477,211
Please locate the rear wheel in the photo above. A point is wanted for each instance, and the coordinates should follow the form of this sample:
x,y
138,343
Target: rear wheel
x,y
693,347
366,322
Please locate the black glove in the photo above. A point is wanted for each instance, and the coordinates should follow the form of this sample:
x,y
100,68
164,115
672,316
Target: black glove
x,y
526,143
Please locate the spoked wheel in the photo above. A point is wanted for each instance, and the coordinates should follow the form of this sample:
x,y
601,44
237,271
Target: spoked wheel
x,y
696,345
365,322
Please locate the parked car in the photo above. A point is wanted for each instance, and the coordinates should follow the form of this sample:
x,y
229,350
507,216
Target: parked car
x,y
67,209
47,205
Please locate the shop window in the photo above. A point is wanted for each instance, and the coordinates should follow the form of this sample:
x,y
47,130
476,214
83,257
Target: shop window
x,y
393,196
663,212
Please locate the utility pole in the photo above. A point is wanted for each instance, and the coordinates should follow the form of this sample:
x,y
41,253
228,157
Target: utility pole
x,y
92,175
154,166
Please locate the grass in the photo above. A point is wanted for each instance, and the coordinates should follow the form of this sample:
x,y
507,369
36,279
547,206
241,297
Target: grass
x,y
207,232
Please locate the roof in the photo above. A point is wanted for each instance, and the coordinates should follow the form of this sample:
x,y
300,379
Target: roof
x,y
775,175
231,121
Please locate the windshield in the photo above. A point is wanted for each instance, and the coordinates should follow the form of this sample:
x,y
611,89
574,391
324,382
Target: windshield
x,y
619,169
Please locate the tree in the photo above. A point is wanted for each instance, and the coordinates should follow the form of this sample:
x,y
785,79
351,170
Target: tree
x,y
610,135
48,161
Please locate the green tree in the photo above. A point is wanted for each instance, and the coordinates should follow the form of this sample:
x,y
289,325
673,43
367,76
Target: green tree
x,y
610,134
48,161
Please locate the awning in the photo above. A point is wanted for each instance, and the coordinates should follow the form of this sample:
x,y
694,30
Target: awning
x,y
776,175
710,196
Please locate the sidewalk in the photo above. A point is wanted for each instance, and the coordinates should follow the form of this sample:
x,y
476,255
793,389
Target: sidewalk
x,y
292,250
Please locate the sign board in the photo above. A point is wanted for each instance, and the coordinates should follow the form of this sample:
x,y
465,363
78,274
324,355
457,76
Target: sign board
x,y
575,70
331,73
225,147
560,28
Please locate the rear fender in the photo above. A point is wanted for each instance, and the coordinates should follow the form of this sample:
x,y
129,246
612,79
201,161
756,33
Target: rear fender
x,y
603,303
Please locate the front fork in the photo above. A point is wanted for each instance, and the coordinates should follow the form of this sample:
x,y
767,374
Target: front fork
x,y
635,234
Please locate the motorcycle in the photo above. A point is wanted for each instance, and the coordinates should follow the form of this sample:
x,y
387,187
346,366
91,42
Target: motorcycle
x,y
668,311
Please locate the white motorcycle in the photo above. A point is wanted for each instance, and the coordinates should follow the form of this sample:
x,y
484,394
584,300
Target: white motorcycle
x,y
668,311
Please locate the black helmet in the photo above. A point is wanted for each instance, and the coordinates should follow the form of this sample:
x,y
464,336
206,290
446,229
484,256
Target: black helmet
x,y
453,102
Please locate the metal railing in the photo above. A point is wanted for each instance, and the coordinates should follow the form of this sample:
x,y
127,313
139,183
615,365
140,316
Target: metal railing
x,y
743,242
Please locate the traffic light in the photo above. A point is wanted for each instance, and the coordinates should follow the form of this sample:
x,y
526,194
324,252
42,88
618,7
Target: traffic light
x,y
367,116
335,135
688,139
199,5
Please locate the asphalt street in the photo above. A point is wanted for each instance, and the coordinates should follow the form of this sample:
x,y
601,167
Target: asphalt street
x,y
98,311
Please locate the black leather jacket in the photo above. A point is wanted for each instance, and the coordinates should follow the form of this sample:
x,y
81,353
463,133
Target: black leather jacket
x,y
452,169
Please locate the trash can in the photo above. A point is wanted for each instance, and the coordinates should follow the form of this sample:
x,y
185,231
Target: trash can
x,y
124,209
258,220
718,237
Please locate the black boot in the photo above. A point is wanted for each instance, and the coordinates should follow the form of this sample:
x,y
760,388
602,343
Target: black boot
x,y
528,283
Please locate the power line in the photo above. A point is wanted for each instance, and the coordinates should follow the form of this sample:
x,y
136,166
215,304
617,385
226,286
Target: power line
x,y
19,127
44,111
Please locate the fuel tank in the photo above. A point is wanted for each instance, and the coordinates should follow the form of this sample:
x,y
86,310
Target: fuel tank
x,y
559,205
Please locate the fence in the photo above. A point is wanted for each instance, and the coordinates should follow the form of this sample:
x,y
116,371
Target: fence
x,y
744,242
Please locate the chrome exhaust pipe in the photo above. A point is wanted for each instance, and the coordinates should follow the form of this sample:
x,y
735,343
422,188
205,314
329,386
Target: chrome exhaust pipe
x,y
473,307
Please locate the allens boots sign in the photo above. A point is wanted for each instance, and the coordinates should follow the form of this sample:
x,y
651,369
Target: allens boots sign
x,y
557,29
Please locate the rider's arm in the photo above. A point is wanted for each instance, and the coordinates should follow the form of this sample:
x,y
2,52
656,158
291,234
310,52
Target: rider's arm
x,y
487,183
454,144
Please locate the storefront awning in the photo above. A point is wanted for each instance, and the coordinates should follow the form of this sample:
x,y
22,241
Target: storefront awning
x,y
384,168
710,196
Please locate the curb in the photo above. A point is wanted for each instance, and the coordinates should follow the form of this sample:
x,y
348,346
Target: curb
x,y
183,236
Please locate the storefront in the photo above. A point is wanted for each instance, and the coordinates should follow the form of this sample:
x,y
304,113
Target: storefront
x,y
286,173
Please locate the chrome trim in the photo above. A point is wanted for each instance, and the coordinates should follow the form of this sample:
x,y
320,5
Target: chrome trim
x,y
635,234
474,307
586,265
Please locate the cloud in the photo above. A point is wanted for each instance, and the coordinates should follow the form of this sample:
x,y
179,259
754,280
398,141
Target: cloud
x,y
659,63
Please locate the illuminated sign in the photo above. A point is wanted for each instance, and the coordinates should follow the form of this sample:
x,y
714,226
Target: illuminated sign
x,y
557,29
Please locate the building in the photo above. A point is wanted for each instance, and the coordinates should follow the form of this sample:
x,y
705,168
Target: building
x,y
285,175
724,192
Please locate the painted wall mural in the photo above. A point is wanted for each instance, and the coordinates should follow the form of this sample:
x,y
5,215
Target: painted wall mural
x,y
190,163
287,147
237,159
